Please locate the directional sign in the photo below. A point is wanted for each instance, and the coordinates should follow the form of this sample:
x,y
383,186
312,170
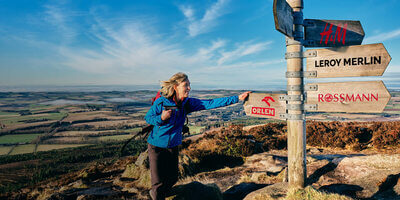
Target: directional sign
x,y
332,33
359,60
264,105
283,17
351,97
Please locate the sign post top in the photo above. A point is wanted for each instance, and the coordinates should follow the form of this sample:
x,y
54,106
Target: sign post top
x,y
283,17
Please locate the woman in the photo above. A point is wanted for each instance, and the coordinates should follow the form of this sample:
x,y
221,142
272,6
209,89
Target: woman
x,y
167,132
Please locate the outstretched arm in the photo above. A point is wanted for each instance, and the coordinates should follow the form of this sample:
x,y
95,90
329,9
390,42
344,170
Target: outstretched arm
x,y
244,95
197,104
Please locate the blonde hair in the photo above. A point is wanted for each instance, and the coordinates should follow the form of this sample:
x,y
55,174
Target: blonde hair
x,y
167,87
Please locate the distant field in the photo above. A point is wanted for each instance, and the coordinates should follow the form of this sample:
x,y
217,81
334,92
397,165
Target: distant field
x,y
114,137
110,123
20,138
5,150
9,113
16,119
133,130
81,133
48,147
20,149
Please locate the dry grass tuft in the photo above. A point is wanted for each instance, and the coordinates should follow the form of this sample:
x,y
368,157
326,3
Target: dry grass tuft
x,y
310,193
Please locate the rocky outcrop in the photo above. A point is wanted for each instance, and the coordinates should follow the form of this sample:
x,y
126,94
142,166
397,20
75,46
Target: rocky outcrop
x,y
362,175
274,191
196,191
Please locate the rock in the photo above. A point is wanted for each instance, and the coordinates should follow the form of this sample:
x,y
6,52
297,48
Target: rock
x,y
314,150
238,192
367,172
141,174
196,191
186,166
274,191
78,184
98,192
143,160
265,162
344,189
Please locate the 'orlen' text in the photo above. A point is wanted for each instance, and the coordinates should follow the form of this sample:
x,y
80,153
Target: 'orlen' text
x,y
263,111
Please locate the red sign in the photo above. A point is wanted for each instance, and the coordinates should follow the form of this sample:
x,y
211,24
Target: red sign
x,y
266,99
340,34
332,33
263,111
265,105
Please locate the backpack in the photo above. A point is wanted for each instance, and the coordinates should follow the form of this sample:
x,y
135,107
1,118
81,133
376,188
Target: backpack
x,y
148,128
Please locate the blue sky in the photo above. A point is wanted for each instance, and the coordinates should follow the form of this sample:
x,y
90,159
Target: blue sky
x,y
218,43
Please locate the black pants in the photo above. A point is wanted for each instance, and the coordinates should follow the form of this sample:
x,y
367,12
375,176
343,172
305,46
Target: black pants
x,y
163,170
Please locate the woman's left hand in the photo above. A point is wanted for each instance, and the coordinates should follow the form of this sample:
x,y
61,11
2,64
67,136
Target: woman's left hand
x,y
244,95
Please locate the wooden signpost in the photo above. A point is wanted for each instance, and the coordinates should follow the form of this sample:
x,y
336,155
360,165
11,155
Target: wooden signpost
x,y
283,17
332,33
360,60
265,105
342,61
350,97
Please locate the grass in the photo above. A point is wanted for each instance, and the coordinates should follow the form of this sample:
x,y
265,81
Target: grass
x,y
20,149
81,133
195,129
48,147
132,130
15,120
114,137
20,138
9,113
310,193
4,150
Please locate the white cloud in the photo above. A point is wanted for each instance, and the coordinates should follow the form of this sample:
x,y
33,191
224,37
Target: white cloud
x,y
60,19
131,51
209,19
382,37
188,12
243,50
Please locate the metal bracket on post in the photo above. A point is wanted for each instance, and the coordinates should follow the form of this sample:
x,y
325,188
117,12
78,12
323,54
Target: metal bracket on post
x,y
311,107
290,41
292,116
291,98
299,74
297,107
300,87
311,87
306,54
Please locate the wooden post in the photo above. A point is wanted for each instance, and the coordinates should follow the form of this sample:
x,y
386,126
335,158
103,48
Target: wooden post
x,y
296,128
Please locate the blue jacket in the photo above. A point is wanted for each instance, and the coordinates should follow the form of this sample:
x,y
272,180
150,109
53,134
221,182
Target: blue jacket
x,y
168,133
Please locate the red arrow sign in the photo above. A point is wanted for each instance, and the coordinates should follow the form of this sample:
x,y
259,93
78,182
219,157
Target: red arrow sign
x,y
266,99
